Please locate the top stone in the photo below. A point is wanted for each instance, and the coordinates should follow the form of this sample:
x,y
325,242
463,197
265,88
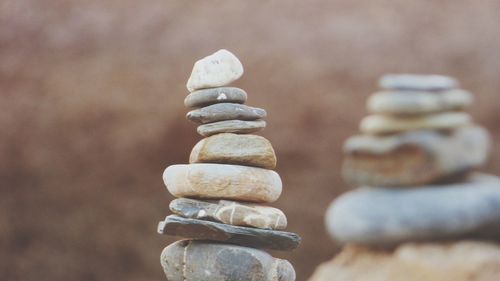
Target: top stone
x,y
216,70
417,82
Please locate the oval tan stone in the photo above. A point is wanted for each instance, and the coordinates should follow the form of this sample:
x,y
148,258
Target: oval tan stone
x,y
247,150
222,181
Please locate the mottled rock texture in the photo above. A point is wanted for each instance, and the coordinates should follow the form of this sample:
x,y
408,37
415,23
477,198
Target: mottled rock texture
x,y
225,111
211,96
231,126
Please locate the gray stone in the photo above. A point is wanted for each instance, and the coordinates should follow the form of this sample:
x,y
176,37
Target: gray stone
x,y
231,126
214,231
188,260
211,96
225,111
417,82
230,212
415,157
381,216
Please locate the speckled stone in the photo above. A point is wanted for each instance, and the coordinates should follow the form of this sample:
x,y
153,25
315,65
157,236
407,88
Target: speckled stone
x,y
225,111
211,96
231,126
417,82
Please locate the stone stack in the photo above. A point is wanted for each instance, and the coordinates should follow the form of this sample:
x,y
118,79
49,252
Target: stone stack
x,y
220,192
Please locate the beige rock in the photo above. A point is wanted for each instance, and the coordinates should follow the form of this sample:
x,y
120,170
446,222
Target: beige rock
x,y
383,124
221,181
458,261
231,126
247,150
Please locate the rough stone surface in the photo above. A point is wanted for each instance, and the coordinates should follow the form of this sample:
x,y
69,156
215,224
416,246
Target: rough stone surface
x,y
417,82
220,181
230,212
231,126
415,157
204,261
247,150
382,216
384,124
211,96
214,231
415,102
458,261
225,111
219,69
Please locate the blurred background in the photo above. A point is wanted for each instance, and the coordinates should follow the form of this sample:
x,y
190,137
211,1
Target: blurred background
x,y
91,112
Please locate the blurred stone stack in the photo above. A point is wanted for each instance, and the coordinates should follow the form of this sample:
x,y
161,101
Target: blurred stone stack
x,y
419,194
219,193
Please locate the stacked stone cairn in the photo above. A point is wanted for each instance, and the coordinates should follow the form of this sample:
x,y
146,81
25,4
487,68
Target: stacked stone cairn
x,y
219,194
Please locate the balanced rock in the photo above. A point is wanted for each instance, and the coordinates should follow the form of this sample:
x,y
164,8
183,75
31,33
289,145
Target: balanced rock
x,y
247,150
219,69
415,102
415,157
230,212
225,111
221,181
214,231
384,124
202,261
417,82
231,126
385,216
211,96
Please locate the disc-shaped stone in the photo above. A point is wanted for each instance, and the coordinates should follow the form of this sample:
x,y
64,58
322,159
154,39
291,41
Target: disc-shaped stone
x,y
417,82
211,96
231,126
225,111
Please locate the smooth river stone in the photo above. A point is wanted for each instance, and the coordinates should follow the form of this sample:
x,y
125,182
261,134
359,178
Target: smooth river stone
x,y
417,82
231,126
230,212
205,261
225,111
214,231
415,102
415,157
384,124
387,216
247,150
218,69
221,181
211,96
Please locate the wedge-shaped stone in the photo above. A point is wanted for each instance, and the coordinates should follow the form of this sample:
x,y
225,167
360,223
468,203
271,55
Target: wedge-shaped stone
x,y
417,82
231,126
220,181
225,111
211,96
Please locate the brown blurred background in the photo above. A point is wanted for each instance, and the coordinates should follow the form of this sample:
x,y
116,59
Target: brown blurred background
x,y
91,111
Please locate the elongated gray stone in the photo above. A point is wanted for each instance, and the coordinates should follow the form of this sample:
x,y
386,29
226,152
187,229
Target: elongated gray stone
x,y
225,111
230,212
214,231
211,96
381,216
188,260
417,82
231,126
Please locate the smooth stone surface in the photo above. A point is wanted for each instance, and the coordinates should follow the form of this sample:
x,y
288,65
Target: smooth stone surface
x,y
383,124
204,261
211,96
415,102
218,69
214,231
231,126
246,150
225,111
415,157
417,82
384,216
220,181
230,212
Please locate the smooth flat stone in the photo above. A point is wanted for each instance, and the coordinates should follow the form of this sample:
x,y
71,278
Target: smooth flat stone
x,y
218,69
214,231
230,212
221,181
418,102
246,150
417,82
415,157
383,124
211,96
188,260
225,111
384,216
231,126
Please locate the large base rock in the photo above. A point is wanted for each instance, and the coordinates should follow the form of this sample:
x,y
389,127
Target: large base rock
x,y
458,261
